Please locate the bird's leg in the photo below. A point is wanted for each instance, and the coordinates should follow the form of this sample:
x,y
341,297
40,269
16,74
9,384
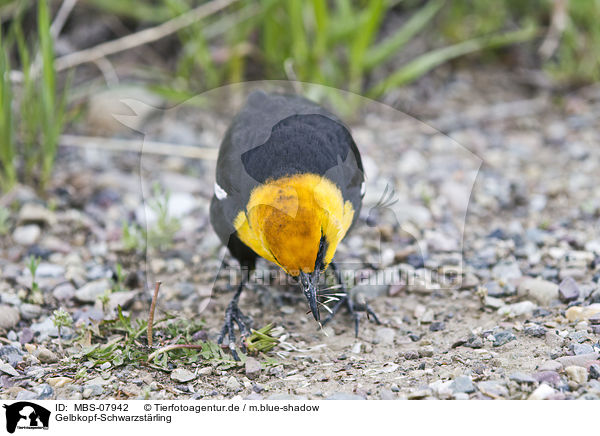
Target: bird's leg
x,y
346,299
233,314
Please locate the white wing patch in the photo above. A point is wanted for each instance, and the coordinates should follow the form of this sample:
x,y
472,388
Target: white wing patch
x,y
363,189
220,192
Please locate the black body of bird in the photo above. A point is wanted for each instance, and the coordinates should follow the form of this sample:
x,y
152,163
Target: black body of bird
x,y
289,185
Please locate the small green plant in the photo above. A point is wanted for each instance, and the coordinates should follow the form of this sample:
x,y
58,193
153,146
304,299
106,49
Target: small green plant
x,y
176,337
132,237
260,341
118,283
104,299
35,296
126,347
61,318
160,235
32,265
117,286
123,348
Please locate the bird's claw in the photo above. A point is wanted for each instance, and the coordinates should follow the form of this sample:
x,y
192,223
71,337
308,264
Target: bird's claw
x,y
354,310
353,307
233,315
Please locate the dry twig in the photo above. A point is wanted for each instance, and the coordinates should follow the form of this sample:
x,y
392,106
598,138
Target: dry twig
x,y
151,314
142,37
150,147
61,17
556,29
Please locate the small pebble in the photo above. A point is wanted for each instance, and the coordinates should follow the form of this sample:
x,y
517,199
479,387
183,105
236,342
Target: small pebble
x,y
568,290
542,291
26,395
252,368
579,313
46,356
550,365
182,375
426,352
384,336
494,389
462,383
542,392
8,369
59,382
535,331
580,360
550,377
9,317
64,292
90,292
26,235
474,342
580,349
521,377
411,355
577,374
594,372
503,337
437,326
232,384
30,311
44,391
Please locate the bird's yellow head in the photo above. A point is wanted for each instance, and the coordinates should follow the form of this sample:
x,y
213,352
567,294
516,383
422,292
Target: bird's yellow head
x,y
286,218
297,223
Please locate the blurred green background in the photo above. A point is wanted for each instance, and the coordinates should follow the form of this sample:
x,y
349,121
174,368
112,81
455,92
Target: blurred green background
x,y
56,54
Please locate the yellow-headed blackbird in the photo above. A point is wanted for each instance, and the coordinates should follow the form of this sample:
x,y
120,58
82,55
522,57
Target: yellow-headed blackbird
x,y
289,185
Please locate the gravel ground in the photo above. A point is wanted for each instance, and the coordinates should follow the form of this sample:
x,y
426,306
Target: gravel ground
x,y
494,241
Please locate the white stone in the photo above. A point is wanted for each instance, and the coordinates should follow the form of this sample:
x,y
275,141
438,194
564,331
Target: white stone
x,y
542,392
26,235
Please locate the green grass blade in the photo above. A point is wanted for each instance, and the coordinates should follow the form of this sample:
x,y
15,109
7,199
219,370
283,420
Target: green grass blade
x,y
345,9
322,22
51,122
29,105
271,35
388,47
7,151
151,12
362,39
299,48
428,61
195,50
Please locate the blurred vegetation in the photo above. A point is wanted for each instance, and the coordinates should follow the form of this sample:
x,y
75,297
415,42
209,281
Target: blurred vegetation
x,y
160,233
576,59
367,47
33,111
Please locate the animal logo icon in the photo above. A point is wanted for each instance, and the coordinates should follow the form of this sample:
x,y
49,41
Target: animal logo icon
x,y
24,414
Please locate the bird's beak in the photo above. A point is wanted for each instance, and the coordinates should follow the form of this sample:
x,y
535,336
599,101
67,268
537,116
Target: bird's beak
x,y
309,287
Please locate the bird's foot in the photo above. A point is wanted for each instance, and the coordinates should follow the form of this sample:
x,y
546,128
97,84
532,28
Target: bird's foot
x,y
355,308
233,315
